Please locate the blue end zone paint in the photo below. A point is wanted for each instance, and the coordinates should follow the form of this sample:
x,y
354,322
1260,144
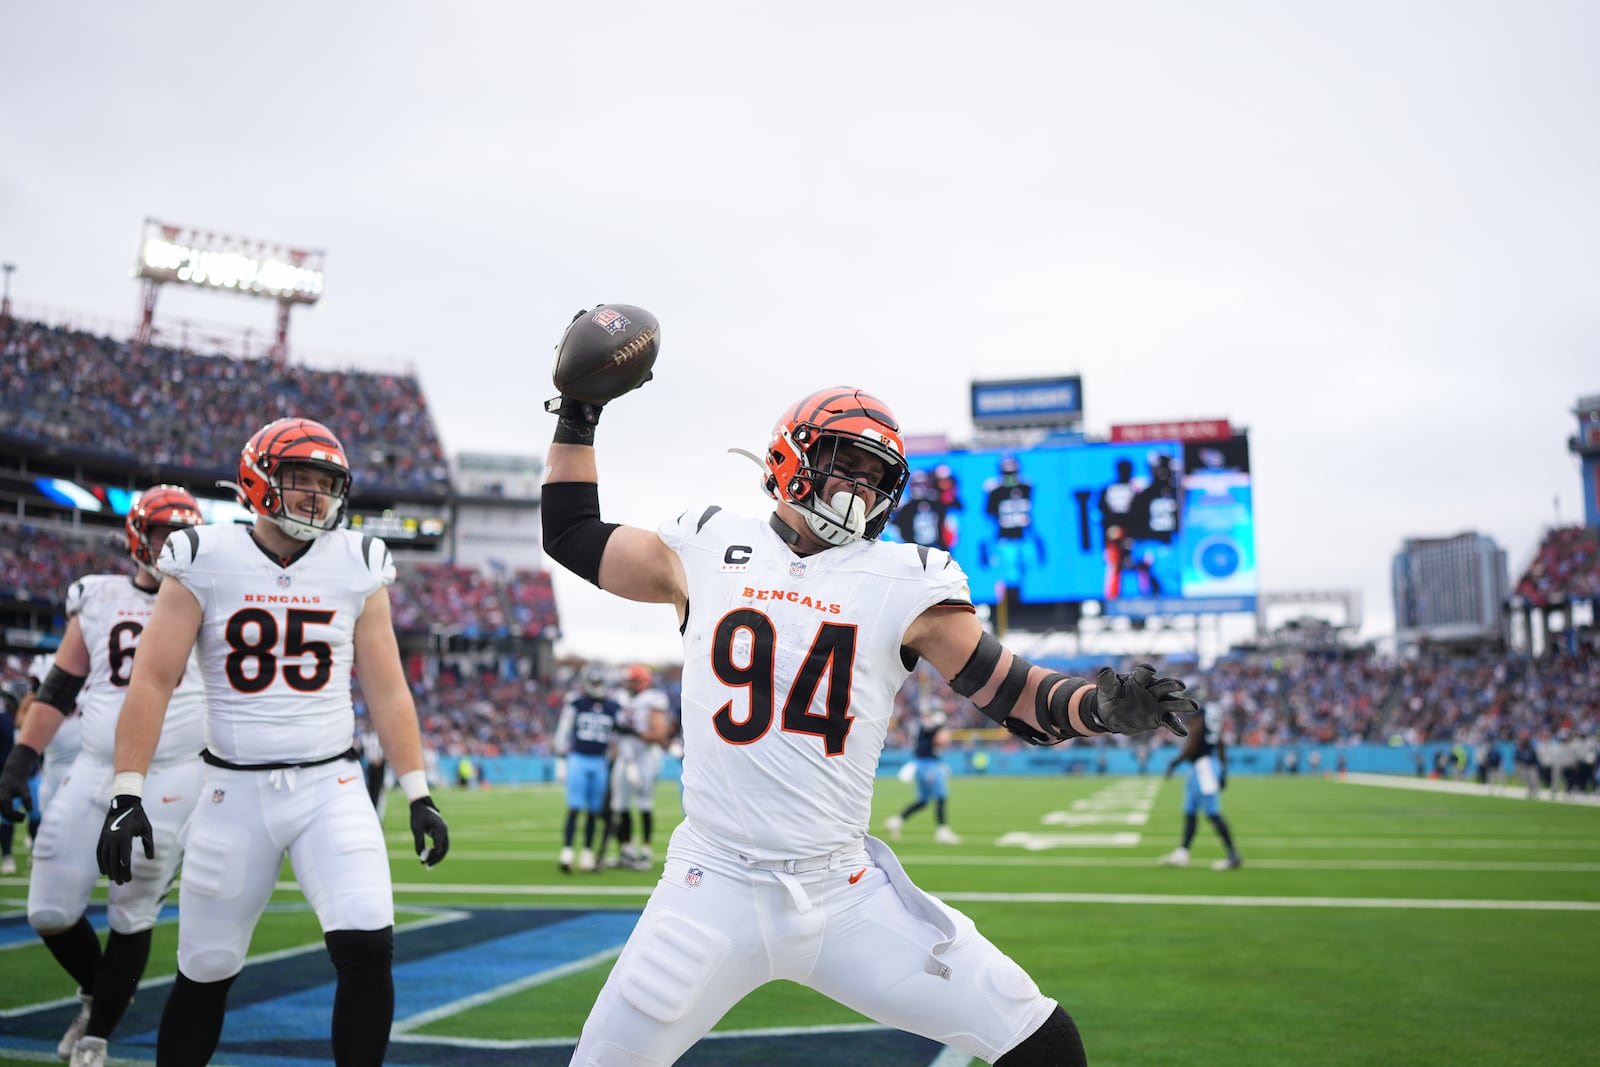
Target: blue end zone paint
x,y
18,932
279,1011
423,984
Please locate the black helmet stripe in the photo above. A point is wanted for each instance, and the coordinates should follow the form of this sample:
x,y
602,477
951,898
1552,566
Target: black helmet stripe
x,y
269,447
822,419
821,407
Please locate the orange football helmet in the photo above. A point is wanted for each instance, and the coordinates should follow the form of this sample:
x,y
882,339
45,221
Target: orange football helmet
x,y
804,453
159,505
639,678
293,443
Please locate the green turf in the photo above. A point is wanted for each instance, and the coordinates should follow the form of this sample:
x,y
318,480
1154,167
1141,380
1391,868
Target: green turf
x,y
1174,980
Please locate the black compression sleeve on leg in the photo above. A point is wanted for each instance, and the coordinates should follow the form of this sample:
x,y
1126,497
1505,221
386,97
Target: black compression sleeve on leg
x,y
1056,1043
120,970
77,949
363,996
191,1022
573,533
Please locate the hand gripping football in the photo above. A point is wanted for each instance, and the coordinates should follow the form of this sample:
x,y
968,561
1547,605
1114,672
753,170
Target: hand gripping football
x,y
606,352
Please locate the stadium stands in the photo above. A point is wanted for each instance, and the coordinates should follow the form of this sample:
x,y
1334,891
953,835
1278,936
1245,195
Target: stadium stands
x,y
97,395
1567,567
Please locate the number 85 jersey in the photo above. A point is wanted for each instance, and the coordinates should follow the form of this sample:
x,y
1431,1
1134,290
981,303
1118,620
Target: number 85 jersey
x,y
791,666
276,641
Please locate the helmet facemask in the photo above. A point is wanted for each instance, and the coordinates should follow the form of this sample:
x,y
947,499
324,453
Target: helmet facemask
x,y
845,516
327,481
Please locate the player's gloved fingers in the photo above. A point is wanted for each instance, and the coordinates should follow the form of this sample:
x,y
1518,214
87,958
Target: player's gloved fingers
x,y
1180,705
1108,684
1163,686
149,840
1143,675
1171,721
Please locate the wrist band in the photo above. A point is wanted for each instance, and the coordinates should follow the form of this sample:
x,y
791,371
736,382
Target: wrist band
x,y
414,784
128,783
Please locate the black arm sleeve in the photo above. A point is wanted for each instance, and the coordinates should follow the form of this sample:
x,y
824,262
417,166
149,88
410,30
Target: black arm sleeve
x,y
60,690
573,533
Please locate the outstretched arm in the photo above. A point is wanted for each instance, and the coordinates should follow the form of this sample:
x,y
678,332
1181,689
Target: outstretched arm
x,y
631,562
1042,707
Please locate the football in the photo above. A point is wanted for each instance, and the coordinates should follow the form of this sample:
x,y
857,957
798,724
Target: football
x,y
606,352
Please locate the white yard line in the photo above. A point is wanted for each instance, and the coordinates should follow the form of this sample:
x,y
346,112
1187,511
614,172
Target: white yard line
x,y
1447,785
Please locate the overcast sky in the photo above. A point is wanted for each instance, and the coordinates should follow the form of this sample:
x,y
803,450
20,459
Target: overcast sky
x,y
1367,231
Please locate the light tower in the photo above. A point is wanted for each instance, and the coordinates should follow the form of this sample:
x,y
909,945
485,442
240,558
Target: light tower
x,y
225,263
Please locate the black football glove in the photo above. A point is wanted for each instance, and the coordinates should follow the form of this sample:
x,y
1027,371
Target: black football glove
x,y
426,822
125,821
1135,703
575,420
22,764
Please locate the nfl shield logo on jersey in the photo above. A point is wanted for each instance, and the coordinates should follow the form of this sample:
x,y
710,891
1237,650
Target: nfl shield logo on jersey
x,y
283,581
694,876
216,796
797,569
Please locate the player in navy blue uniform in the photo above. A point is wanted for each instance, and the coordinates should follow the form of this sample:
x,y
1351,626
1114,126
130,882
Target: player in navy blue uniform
x,y
932,778
1206,752
583,737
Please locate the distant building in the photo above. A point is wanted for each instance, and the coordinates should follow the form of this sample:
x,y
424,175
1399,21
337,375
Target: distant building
x,y
1585,444
1450,590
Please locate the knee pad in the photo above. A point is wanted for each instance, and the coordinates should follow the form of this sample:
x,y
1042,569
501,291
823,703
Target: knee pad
x,y
213,965
51,919
132,917
671,966
360,950
1056,1043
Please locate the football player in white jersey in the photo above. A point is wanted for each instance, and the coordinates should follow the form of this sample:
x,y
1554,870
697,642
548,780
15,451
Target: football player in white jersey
x,y
642,731
106,616
798,630
278,612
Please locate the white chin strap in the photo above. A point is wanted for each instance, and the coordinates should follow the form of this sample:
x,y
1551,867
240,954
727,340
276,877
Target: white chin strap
x,y
841,520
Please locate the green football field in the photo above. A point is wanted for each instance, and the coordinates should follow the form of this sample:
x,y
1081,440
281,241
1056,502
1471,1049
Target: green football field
x,y
1370,925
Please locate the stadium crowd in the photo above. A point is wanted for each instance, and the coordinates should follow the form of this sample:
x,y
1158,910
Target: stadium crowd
x,y
1567,567
96,394
37,563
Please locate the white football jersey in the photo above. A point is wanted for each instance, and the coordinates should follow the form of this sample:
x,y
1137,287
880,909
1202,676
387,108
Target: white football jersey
x,y
636,710
112,613
276,642
791,666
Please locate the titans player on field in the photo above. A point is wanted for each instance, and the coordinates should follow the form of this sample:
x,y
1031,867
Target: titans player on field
x,y
1206,753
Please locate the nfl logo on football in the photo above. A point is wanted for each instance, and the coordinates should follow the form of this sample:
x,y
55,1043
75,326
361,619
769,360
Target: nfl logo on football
x,y
611,321
694,876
